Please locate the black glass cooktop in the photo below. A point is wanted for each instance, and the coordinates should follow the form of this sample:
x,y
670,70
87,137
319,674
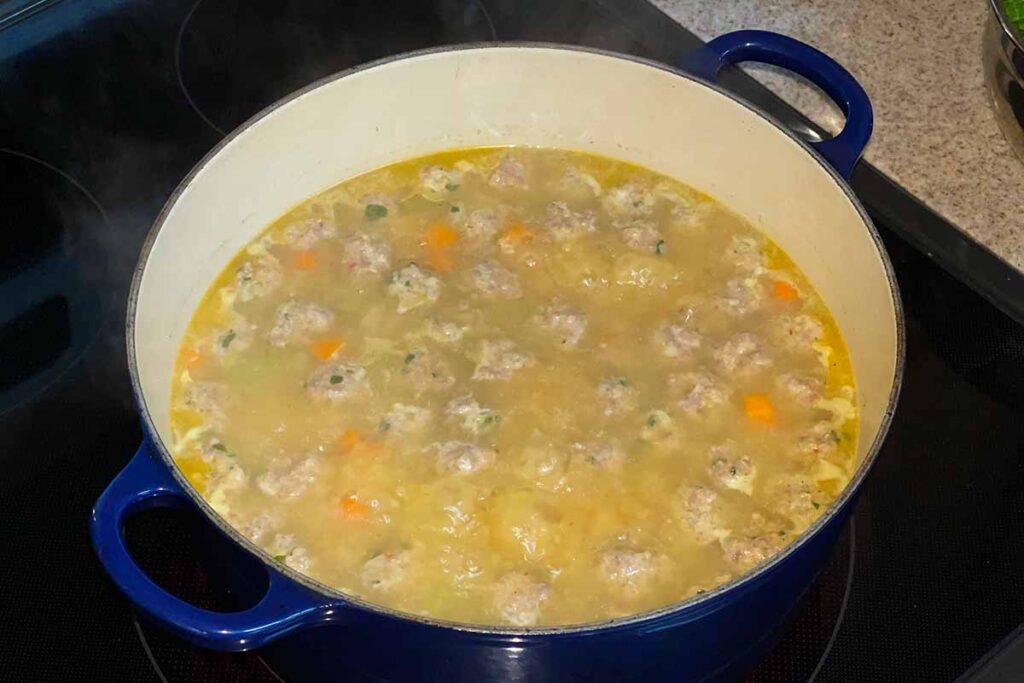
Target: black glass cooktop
x,y
104,106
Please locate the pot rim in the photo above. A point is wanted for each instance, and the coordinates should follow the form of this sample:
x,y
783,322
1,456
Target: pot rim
x,y
650,617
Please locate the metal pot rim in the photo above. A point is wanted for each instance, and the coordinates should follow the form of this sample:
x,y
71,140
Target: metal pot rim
x,y
651,618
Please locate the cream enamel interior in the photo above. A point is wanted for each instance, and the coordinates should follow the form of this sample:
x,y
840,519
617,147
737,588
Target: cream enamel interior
x,y
518,96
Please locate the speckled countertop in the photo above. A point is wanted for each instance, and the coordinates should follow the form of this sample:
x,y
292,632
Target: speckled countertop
x,y
935,133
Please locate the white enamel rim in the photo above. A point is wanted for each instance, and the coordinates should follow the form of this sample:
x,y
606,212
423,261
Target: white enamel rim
x,y
336,597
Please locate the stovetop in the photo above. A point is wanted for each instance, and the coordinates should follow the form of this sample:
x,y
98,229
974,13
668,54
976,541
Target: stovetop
x,y
104,107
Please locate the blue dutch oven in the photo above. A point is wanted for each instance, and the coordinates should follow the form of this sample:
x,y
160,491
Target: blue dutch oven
x,y
674,121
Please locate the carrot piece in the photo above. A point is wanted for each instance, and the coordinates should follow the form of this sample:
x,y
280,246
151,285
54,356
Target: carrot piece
x,y
759,408
517,234
440,240
325,348
440,236
191,358
354,508
348,441
785,291
305,259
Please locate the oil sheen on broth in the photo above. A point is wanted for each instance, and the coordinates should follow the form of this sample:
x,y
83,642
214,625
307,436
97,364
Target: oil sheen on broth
x,y
515,386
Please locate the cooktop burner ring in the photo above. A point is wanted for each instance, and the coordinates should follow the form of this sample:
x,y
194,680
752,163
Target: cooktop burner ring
x,y
44,297
213,67
850,568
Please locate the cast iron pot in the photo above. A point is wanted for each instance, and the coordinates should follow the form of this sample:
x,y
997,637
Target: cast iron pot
x,y
672,121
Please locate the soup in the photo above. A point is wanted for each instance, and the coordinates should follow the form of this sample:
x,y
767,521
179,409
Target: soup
x,y
515,386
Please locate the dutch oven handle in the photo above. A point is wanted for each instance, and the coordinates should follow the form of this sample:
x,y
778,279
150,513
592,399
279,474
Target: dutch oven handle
x,y
146,483
842,151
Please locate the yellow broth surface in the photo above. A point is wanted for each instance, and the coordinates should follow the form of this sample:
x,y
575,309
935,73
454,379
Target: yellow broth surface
x,y
515,386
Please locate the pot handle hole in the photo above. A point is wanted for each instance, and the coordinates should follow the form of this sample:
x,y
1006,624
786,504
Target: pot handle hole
x,y
147,483
842,151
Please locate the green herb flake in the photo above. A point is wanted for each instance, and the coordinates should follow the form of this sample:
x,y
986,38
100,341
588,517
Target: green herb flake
x,y
652,420
816,504
279,558
732,470
219,447
384,425
659,248
623,382
410,357
834,435
450,186
337,379
375,212
226,340
455,209
782,533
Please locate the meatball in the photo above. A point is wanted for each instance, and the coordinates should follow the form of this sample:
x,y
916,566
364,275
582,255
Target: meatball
x,y
438,179
733,472
568,322
206,398
284,549
797,498
405,419
386,569
617,395
820,440
806,390
627,569
518,598
677,340
288,480
225,475
426,372
605,455
494,280
296,320
799,332
336,381
305,233
578,182
414,287
643,237
461,457
366,255
696,506
742,296
257,527
258,278
471,415
703,392
746,253
745,552
510,172
445,332
742,353
629,201
499,359
482,224
562,223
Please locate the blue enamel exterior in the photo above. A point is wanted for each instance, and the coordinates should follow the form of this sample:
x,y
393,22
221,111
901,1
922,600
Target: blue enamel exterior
x,y
842,151
309,635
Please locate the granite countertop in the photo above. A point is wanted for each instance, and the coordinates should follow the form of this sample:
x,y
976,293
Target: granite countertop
x,y
935,132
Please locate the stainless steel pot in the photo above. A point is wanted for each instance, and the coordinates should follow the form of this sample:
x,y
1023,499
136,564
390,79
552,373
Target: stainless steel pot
x,y
1003,55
